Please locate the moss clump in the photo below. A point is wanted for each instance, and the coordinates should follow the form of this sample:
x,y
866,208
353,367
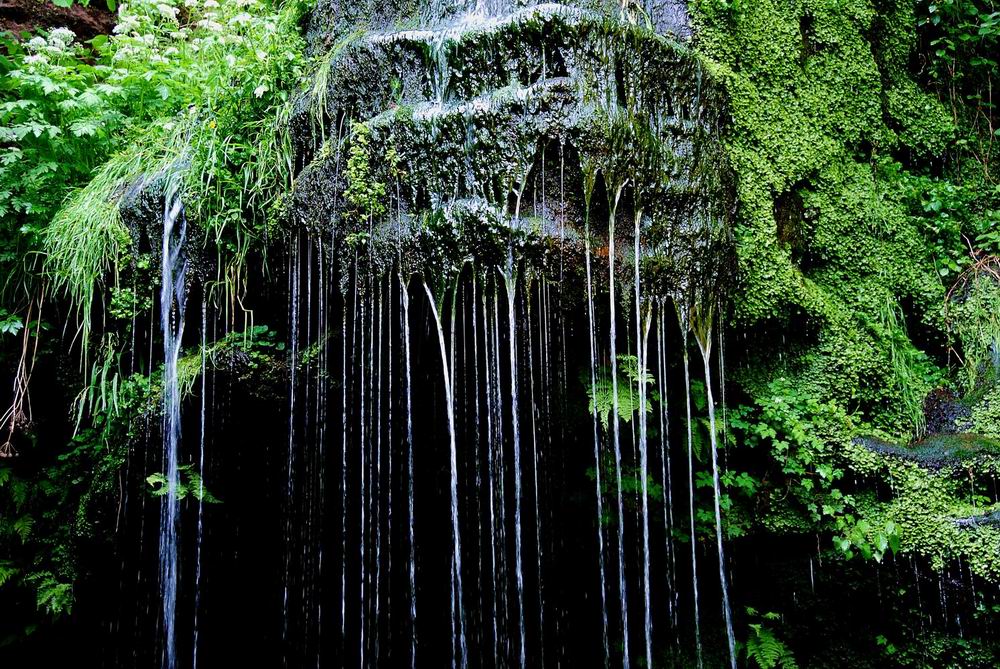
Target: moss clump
x,y
822,101
853,227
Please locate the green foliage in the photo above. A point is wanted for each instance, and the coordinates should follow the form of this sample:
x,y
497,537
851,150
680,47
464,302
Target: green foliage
x,y
860,538
189,482
763,647
66,498
364,193
737,492
602,392
53,596
206,89
801,435
9,323
959,220
934,650
59,115
831,229
986,414
914,375
964,37
974,316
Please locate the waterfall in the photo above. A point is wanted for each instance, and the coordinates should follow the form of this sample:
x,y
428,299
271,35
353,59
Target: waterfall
x,y
642,334
510,281
201,483
294,280
703,335
591,337
173,298
507,527
459,656
665,473
411,535
614,422
683,319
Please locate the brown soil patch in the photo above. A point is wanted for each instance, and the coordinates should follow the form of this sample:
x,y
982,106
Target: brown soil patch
x,y
27,16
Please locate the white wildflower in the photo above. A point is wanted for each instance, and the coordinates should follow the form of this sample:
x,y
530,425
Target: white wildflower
x,y
61,37
127,24
124,52
37,43
260,90
167,12
210,25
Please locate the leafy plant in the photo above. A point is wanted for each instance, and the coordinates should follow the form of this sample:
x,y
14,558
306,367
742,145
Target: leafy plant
x,y
364,193
861,538
973,314
801,435
764,648
189,482
602,392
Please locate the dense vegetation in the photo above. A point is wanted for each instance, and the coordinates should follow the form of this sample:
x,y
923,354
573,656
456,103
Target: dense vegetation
x,y
866,316
202,85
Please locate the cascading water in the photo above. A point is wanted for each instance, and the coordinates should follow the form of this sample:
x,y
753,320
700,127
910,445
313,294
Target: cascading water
x,y
201,483
173,299
612,318
431,417
597,455
459,651
683,317
703,335
642,336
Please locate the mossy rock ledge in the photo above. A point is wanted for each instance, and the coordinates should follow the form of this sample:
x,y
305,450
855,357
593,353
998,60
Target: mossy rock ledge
x,y
507,140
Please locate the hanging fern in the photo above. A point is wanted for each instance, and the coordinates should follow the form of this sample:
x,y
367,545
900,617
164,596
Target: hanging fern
x,y
602,392
189,482
52,595
7,571
764,648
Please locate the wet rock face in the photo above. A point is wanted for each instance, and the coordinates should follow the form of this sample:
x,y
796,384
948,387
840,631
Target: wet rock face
x,y
564,121
333,17
938,451
670,17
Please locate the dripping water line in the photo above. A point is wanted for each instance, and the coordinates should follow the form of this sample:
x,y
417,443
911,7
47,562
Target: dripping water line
x,y
458,614
703,335
173,298
201,487
616,429
594,414
684,323
642,333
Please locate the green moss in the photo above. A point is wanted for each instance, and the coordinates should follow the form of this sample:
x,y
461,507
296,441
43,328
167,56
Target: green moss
x,y
986,414
821,97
